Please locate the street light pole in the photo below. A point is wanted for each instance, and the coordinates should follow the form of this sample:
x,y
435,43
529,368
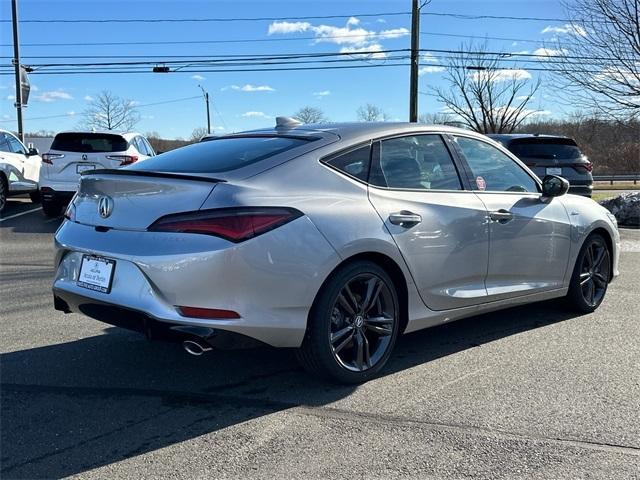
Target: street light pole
x,y
206,99
16,64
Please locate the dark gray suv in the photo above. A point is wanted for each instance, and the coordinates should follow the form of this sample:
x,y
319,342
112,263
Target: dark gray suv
x,y
551,155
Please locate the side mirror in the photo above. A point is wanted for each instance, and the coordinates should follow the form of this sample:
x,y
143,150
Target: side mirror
x,y
554,186
33,151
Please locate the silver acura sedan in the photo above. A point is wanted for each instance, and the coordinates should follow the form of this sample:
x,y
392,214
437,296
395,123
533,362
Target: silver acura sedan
x,y
333,239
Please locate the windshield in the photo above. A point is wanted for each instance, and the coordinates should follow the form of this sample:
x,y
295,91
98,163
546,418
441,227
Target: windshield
x,y
220,154
548,150
89,142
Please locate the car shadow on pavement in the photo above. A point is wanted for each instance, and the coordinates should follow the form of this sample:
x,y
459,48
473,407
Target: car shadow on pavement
x,y
73,407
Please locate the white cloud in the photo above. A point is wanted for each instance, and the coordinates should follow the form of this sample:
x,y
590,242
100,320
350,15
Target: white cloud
x,y
255,115
394,33
322,93
521,52
430,69
11,97
524,97
288,27
353,21
34,88
71,113
88,98
548,52
53,96
373,50
199,78
134,103
253,88
502,75
567,29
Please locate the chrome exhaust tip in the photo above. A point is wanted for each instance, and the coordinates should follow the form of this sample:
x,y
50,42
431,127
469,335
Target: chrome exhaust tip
x,y
195,348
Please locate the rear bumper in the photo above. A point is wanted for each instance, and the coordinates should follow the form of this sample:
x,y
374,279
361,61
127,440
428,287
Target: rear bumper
x,y
47,194
152,328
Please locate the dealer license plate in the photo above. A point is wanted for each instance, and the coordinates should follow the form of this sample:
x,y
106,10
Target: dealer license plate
x,y
96,273
554,171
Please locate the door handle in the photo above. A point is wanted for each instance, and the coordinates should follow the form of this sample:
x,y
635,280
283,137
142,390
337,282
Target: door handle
x,y
405,218
501,216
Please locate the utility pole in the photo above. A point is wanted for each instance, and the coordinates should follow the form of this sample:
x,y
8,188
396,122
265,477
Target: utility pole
x,y
415,56
206,99
16,64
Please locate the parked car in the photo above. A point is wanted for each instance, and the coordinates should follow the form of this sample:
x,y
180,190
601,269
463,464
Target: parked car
x,y
333,239
552,155
72,153
19,169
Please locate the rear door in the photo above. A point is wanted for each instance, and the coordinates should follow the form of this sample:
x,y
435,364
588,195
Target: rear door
x,y
439,228
529,238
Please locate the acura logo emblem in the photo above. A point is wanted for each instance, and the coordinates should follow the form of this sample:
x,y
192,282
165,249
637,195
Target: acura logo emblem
x,y
105,206
84,156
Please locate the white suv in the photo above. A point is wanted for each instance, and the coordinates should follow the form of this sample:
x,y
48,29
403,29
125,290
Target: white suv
x,y
19,168
72,153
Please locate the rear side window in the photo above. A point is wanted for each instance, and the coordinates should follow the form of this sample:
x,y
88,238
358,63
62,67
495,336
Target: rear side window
x,y
4,143
220,154
560,149
89,142
354,163
420,162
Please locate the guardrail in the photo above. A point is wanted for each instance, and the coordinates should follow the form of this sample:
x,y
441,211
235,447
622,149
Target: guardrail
x,y
633,177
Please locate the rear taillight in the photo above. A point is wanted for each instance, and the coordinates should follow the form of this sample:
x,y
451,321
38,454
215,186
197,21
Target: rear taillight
x,y
233,224
587,167
123,159
50,157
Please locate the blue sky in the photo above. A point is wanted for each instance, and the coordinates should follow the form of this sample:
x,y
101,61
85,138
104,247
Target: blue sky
x,y
251,99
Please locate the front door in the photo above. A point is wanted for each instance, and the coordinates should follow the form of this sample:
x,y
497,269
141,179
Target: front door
x,y
529,238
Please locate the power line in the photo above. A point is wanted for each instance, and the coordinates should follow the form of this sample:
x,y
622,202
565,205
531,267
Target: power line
x,y
465,16
205,20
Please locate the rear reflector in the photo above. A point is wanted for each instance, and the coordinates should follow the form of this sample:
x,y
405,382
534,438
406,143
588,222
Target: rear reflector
x,y
233,224
197,312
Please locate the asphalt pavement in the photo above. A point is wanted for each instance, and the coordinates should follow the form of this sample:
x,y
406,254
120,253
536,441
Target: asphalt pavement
x,y
533,392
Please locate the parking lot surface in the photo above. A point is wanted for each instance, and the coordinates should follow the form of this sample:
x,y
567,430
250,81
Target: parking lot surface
x,y
531,392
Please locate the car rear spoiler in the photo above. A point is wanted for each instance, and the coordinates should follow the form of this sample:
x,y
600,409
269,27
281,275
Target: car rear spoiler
x,y
146,173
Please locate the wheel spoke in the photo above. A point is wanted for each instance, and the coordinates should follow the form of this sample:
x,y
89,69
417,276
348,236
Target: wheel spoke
x,y
380,325
374,286
344,343
599,257
591,287
359,345
600,280
367,353
584,278
352,298
345,304
340,333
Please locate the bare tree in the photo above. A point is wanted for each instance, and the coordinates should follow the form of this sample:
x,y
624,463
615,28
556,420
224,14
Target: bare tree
x,y
110,112
482,95
371,113
198,133
310,115
437,118
598,60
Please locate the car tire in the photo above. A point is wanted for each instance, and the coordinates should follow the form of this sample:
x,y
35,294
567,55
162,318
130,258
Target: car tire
x,y
35,196
591,275
4,190
51,208
353,324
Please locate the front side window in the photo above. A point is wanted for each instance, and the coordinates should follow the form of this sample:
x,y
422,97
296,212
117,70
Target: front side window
x,y
354,163
492,170
16,145
419,162
4,143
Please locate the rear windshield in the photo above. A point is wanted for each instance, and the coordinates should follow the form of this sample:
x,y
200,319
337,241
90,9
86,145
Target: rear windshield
x,y
558,149
89,142
220,154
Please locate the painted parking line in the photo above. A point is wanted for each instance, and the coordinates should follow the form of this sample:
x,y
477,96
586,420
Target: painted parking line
x,y
19,214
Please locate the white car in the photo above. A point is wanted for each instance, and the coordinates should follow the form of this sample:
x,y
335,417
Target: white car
x,y
72,153
19,168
